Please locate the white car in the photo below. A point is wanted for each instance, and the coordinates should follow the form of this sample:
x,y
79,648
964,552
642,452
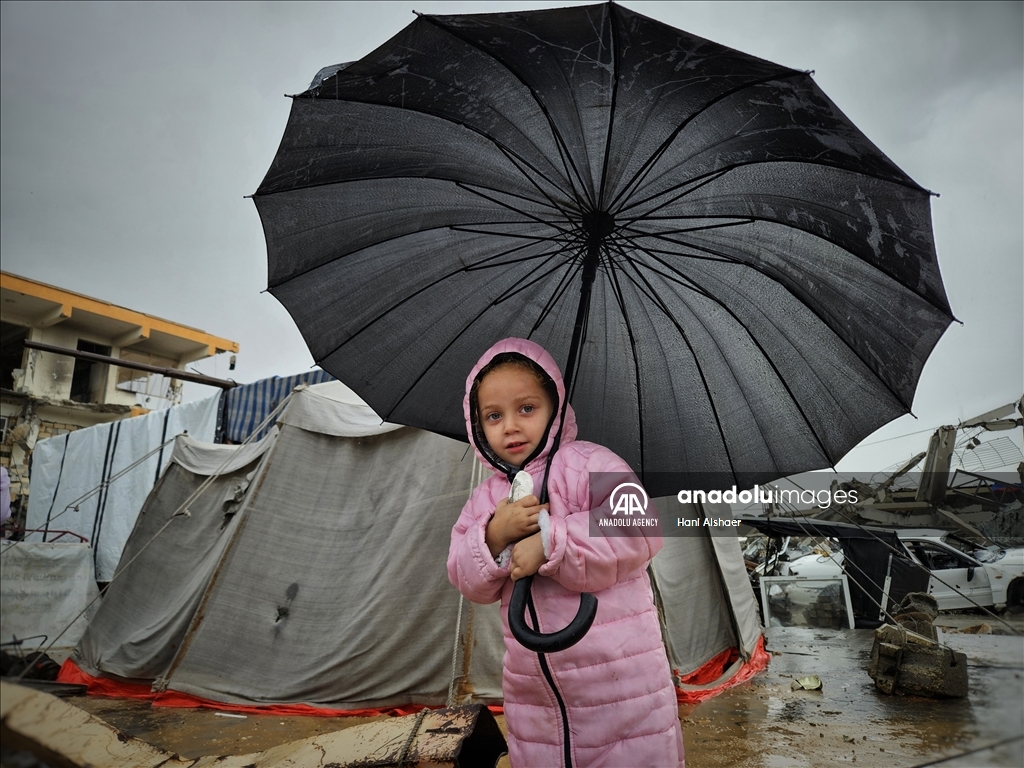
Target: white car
x,y
963,574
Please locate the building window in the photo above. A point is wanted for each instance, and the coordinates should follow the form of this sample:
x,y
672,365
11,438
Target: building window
x,y
12,352
89,378
143,383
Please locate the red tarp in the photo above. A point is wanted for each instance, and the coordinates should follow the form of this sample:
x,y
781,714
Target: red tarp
x,y
101,686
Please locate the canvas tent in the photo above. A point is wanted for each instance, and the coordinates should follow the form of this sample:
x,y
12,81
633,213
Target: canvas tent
x,y
311,573
93,481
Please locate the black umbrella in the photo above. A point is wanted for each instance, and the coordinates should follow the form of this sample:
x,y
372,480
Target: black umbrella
x,y
753,284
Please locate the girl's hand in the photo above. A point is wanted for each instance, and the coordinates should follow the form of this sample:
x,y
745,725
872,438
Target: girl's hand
x,y
527,557
511,522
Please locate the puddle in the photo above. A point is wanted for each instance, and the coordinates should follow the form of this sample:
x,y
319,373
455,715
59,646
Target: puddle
x,y
765,723
762,723
197,732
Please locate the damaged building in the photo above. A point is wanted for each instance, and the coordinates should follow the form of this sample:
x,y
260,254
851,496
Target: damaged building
x,y
69,361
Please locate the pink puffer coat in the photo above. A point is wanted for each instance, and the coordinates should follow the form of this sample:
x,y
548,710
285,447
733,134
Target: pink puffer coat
x,y
618,705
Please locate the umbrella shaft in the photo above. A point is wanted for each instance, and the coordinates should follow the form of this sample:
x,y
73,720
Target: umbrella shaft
x,y
582,311
578,331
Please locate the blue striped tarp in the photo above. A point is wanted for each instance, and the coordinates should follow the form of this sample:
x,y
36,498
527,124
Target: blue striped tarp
x,y
249,404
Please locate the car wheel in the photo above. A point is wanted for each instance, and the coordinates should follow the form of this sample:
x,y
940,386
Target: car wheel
x,y
1015,596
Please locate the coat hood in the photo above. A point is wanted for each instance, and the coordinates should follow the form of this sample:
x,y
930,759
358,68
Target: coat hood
x,y
539,355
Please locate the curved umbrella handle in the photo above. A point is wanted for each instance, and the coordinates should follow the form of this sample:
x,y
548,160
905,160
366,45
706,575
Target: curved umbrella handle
x,y
556,641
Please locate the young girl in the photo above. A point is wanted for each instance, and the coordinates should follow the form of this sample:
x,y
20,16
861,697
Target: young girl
x,y
609,699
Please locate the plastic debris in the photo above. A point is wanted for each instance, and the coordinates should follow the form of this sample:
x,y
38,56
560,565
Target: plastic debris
x,y
809,683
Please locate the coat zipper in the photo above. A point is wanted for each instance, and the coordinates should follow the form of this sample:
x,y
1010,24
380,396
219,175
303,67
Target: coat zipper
x,y
554,689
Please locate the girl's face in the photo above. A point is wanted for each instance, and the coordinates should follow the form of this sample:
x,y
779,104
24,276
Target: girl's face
x,y
514,412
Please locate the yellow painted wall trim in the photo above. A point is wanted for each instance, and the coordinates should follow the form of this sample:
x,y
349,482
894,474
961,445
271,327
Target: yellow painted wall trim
x,y
72,301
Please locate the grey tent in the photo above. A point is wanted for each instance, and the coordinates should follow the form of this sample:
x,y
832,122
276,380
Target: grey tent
x,y
311,572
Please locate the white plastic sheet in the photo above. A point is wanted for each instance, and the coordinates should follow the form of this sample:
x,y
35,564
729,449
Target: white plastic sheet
x,y
43,588
69,467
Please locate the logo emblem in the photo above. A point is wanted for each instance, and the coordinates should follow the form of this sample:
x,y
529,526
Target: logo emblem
x,y
628,498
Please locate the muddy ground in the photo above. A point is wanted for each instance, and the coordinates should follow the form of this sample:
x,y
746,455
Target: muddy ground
x,y
761,723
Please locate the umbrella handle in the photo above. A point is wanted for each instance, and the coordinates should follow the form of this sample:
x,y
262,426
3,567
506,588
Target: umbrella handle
x,y
556,641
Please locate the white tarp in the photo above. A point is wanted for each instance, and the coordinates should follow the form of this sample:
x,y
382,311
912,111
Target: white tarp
x,y
43,587
68,467
332,408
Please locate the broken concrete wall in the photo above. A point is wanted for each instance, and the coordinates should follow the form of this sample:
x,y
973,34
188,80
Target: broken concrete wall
x,y
29,420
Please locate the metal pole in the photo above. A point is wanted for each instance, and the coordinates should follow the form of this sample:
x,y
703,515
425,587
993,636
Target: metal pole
x,y
171,373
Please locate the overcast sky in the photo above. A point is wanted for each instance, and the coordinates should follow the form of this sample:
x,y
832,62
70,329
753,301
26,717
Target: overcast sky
x,y
132,132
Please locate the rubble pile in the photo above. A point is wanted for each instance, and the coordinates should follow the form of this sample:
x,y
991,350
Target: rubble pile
x,y
906,661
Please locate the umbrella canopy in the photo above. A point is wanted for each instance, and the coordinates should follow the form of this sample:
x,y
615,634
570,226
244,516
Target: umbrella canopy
x,y
757,282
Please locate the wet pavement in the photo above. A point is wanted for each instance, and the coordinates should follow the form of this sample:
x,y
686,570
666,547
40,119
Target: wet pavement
x,y
761,723
766,723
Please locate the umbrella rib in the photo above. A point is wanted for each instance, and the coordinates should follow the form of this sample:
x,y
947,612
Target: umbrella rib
x,y
426,369
652,294
724,258
453,227
469,187
439,355
559,141
554,204
688,282
611,110
573,268
663,236
737,223
478,268
641,173
716,174
500,145
755,219
582,200
704,180
548,202
617,290
519,289
410,297
512,208
764,353
513,235
695,256
485,263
